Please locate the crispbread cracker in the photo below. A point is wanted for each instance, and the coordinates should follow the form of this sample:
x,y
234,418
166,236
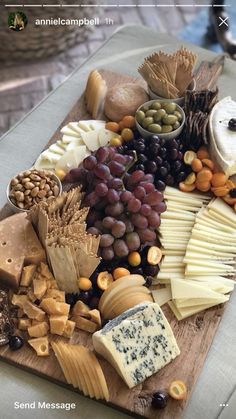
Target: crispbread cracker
x,y
169,75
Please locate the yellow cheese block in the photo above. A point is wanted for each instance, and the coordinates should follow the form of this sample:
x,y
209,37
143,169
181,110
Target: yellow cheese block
x,y
33,311
57,295
57,324
23,324
38,330
69,329
51,306
19,246
40,287
40,345
27,275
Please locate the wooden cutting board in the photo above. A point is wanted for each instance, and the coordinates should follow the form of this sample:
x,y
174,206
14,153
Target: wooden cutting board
x,y
194,336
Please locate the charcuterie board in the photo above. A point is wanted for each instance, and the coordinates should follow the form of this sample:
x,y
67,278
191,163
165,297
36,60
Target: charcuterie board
x,y
194,336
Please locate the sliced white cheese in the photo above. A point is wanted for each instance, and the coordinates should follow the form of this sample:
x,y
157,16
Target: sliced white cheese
x,y
190,311
66,130
55,148
85,125
43,164
67,139
71,159
105,136
78,142
50,156
161,296
186,289
90,139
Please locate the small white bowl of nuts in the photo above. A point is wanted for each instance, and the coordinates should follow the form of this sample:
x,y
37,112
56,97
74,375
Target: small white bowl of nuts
x,y
31,187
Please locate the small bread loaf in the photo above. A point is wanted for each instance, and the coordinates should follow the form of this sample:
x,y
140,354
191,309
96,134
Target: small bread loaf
x,y
124,100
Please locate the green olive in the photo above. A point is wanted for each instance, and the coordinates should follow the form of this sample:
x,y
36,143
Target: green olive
x,y
151,112
156,128
156,106
169,119
179,115
140,115
176,125
166,128
169,107
147,121
159,115
145,108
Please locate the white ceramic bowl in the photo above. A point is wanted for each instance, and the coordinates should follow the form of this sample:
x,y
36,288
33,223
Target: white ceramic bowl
x,y
178,100
166,136
17,209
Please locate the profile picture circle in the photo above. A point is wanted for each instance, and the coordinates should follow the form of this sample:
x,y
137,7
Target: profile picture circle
x,y
17,21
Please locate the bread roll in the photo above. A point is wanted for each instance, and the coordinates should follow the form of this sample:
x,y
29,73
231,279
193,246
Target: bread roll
x,y
124,100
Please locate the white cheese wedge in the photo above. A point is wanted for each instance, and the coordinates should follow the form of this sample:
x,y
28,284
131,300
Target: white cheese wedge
x,y
90,139
43,164
55,148
66,130
223,140
187,289
50,156
162,295
190,311
105,136
71,159
67,139
138,343
85,125
78,142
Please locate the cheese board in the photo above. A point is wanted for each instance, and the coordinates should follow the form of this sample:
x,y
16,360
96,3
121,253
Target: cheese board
x,y
193,328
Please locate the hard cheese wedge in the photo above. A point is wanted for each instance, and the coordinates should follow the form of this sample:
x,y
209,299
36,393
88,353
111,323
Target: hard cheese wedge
x,y
123,343
19,245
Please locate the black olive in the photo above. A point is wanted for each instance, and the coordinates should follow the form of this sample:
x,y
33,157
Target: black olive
x,y
232,192
232,124
160,399
15,343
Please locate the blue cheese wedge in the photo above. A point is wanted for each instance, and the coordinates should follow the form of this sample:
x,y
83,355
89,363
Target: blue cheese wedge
x,y
138,343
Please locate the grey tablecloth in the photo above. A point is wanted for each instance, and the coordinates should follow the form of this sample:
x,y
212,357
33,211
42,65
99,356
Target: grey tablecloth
x,y
19,148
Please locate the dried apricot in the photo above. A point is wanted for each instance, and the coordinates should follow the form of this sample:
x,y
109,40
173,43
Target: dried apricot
x,y
104,280
84,284
178,390
203,186
186,188
208,163
235,207
219,179
121,125
128,121
230,184
196,165
127,134
112,126
119,272
115,141
220,190
205,175
190,179
134,259
229,200
154,255
189,156
202,153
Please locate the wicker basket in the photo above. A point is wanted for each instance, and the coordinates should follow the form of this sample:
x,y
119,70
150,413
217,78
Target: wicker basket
x,y
36,42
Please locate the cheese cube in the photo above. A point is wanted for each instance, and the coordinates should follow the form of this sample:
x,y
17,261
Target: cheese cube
x,y
33,312
40,345
40,287
57,324
38,330
51,306
27,275
23,324
138,343
19,300
69,329
56,295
